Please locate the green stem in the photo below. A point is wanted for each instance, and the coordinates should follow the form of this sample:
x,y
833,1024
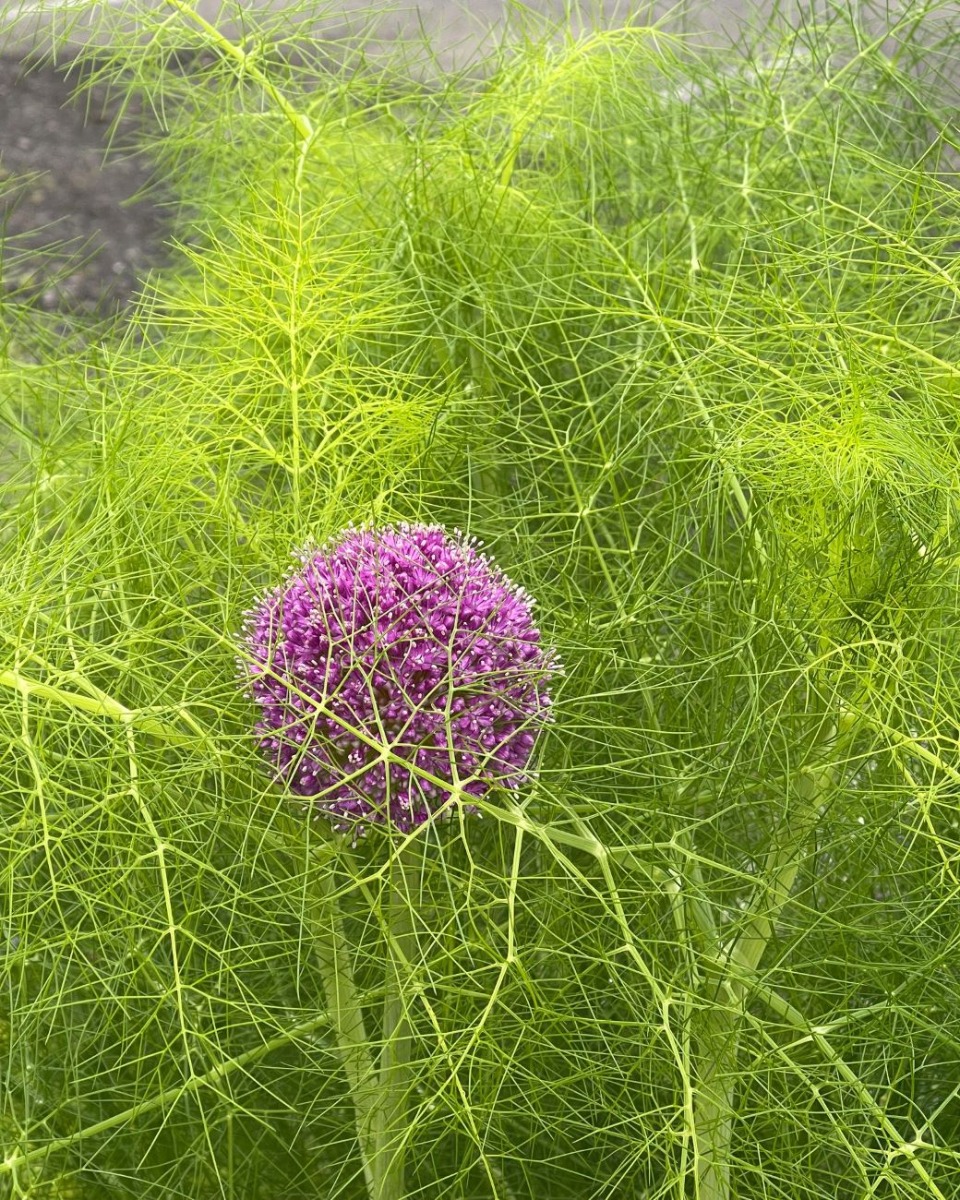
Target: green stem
x,y
395,1054
99,704
717,1045
244,64
780,869
717,1024
379,1095
346,1018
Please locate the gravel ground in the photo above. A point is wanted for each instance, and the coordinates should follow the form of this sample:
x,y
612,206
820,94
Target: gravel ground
x,y
52,151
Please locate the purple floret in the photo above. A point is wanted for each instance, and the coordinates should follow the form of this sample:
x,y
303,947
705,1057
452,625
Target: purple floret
x,y
394,665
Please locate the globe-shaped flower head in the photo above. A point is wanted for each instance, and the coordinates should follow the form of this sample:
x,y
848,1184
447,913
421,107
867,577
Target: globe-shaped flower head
x,y
395,669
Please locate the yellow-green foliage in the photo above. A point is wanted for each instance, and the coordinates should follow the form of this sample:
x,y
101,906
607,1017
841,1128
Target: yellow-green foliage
x,y
677,334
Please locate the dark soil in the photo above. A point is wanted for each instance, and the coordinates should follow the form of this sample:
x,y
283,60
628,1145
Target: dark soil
x,y
57,191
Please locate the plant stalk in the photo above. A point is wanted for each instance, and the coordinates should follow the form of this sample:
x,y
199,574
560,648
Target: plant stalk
x,y
347,1020
394,1076
714,1101
379,1091
717,1023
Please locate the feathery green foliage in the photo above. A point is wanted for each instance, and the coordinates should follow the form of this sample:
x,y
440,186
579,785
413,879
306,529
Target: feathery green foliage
x,y
677,335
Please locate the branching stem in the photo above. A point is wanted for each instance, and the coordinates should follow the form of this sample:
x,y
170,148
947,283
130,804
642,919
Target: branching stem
x,y
245,65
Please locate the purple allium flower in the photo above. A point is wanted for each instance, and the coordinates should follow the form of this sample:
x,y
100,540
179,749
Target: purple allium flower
x,y
394,664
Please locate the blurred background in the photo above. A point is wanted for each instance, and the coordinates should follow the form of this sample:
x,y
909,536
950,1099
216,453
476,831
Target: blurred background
x,y
459,29
76,232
